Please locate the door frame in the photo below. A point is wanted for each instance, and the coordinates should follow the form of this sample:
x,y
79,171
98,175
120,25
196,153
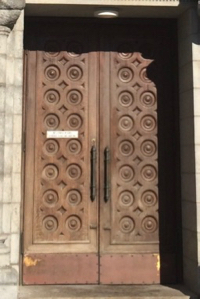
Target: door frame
x,y
177,132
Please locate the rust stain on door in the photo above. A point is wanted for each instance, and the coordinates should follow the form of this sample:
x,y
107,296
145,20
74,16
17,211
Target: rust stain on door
x,y
158,263
29,262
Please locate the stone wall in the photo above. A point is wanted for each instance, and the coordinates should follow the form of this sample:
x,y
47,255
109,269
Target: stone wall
x,y
11,81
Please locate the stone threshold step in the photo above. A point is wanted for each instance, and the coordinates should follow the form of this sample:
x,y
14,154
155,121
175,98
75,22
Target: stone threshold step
x,y
105,292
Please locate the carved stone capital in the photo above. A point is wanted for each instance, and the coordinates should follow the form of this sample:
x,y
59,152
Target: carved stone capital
x,y
3,248
4,30
12,4
10,12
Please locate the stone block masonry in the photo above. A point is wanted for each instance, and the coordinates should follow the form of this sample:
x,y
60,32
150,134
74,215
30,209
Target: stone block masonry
x,y
11,78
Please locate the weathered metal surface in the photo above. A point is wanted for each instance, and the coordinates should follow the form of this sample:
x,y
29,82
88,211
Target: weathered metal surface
x,y
60,269
130,269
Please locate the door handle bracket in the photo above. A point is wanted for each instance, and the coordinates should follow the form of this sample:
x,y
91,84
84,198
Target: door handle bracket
x,y
93,174
106,174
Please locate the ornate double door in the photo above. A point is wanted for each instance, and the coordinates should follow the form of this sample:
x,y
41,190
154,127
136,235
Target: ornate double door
x,y
91,170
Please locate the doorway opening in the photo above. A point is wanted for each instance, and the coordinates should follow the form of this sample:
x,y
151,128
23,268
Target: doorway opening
x,y
102,194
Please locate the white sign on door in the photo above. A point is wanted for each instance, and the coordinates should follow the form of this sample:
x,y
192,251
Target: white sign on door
x,y
62,134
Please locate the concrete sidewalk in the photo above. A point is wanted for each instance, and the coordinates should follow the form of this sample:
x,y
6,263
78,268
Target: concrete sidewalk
x,y
9,292
96,292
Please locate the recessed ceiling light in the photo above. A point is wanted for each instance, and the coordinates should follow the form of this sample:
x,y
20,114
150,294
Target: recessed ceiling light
x,y
106,13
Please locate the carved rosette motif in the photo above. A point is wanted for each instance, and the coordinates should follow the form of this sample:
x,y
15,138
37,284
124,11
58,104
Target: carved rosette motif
x,y
62,163
134,142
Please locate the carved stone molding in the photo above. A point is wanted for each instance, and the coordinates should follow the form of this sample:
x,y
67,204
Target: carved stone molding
x,y
3,248
10,12
4,30
12,4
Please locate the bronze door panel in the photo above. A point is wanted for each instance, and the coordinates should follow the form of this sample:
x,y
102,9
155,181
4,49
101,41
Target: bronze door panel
x,y
60,217
129,218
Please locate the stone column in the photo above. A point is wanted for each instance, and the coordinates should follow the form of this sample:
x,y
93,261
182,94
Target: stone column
x,y
189,89
10,11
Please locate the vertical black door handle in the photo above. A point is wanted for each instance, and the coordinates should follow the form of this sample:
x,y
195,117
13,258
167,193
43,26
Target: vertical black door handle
x,y
93,173
106,174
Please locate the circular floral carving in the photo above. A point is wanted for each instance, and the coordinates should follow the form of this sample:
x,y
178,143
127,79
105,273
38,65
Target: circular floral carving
x,y
126,173
52,73
73,223
149,224
52,96
126,148
74,97
124,55
51,147
74,121
126,198
50,198
143,75
149,173
126,123
50,223
125,51
126,225
74,197
125,74
51,48
148,148
149,198
74,73
74,49
50,172
125,99
148,99
74,171
148,123
74,146
51,121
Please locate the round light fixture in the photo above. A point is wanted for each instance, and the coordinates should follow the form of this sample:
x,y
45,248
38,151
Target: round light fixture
x,y
106,13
